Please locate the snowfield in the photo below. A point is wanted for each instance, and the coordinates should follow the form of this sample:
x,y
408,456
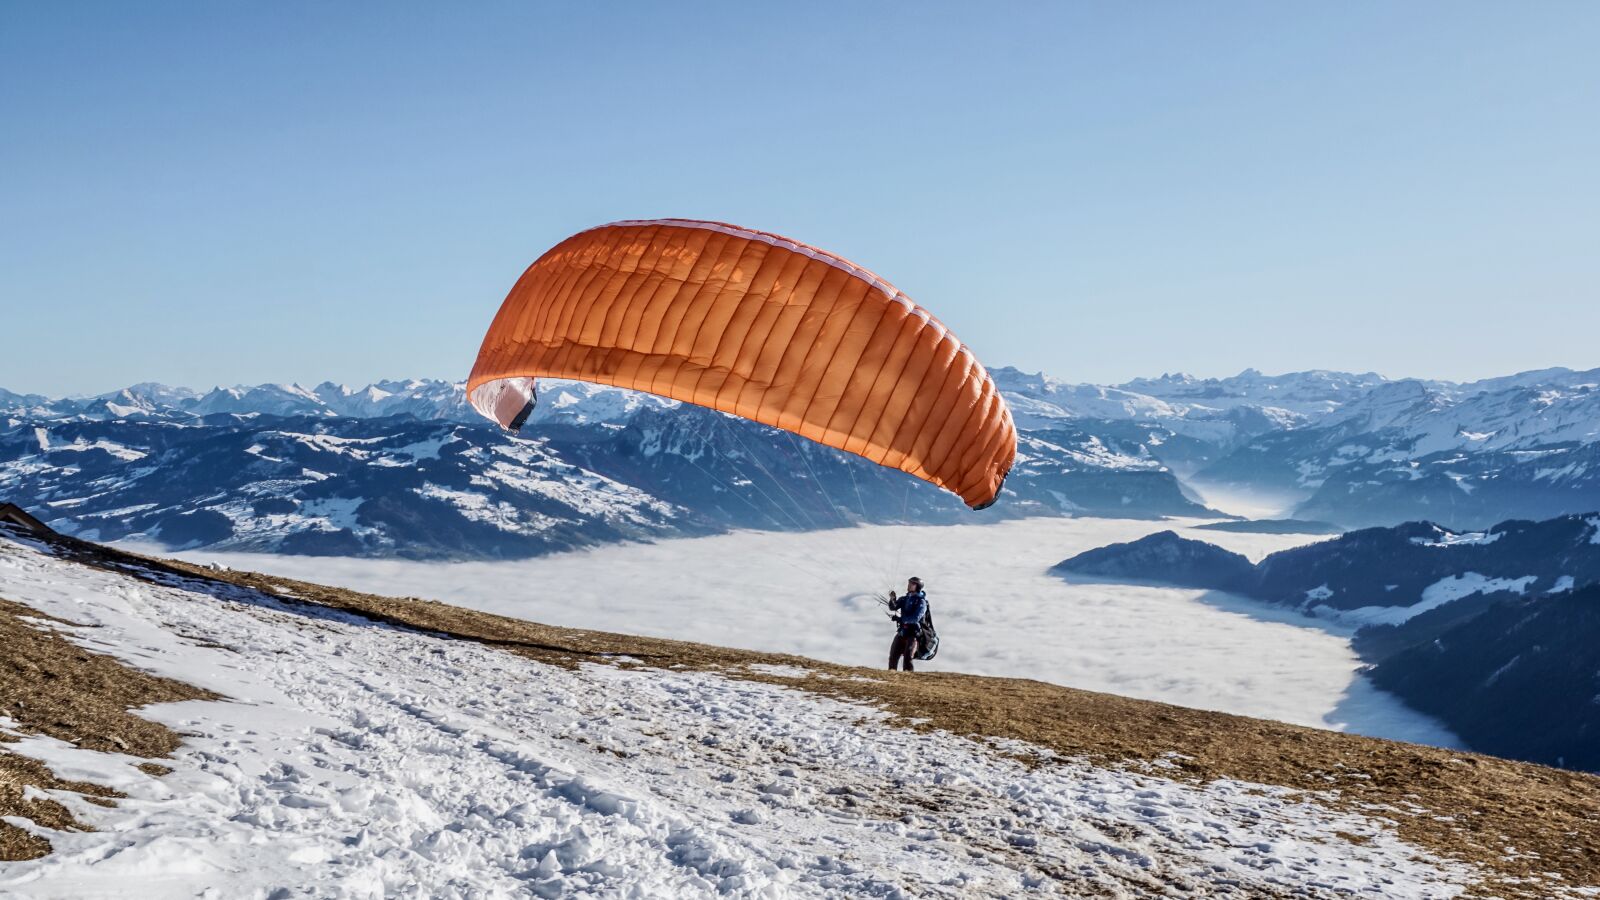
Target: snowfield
x,y
1445,590
359,760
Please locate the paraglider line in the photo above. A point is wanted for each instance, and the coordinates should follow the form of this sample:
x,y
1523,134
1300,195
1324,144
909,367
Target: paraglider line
x,y
862,554
730,489
763,468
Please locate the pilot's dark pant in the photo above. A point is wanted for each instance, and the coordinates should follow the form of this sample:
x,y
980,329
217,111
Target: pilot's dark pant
x,y
904,646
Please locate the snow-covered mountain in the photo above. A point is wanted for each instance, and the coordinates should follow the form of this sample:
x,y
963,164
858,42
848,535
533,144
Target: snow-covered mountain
x,y
600,466
422,399
1514,411
1308,394
158,462
1466,456
429,400
1358,450
1038,399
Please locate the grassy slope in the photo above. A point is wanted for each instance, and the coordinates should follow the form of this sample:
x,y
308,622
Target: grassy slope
x,y
1463,805
51,686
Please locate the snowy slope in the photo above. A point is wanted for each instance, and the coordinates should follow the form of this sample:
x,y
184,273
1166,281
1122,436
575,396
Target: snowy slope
x,y
358,760
394,486
1038,402
1513,417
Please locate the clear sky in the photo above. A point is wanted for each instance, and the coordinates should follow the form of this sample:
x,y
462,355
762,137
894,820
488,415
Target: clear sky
x,y
225,192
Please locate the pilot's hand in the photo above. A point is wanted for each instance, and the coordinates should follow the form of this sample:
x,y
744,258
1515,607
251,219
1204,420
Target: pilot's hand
x,y
891,595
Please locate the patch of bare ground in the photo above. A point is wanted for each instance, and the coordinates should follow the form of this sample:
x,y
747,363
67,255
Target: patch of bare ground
x,y
51,686
1530,830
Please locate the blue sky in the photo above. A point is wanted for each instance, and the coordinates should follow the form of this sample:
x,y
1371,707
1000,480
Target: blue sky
x,y
204,193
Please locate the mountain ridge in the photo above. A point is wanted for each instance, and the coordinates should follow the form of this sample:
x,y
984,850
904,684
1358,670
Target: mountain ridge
x,y
1354,450
442,489
1457,624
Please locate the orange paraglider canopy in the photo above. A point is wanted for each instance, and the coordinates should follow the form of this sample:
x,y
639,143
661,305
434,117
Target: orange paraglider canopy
x,y
759,326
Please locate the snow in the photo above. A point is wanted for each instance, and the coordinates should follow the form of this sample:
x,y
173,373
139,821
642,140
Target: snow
x,y
1515,413
1451,539
335,513
1093,453
261,451
426,449
1310,475
1495,675
1443,591
581,403
358,760
1563,584
525,466
588,493
478,508
1569,471
998,610
126,454
330,443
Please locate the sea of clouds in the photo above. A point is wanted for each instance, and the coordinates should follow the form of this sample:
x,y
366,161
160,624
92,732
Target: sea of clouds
x,y
998,610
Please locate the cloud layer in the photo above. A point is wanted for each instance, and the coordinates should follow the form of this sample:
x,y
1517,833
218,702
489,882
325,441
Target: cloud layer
x,y
998,611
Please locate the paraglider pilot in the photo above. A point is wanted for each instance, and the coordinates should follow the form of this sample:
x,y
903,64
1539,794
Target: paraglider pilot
x,y
912,608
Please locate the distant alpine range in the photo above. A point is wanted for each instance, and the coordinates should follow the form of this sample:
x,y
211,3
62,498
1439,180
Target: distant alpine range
x,y
407,469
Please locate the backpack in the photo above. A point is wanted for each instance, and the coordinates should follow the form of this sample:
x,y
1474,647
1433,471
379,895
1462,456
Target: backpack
x,y
928,646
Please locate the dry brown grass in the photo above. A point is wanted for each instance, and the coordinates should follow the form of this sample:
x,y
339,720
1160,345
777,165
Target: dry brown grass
x,y
17,774
51,686
1465,806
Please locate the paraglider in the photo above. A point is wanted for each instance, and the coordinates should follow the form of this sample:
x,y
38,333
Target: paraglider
x,y
914,637
759,326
